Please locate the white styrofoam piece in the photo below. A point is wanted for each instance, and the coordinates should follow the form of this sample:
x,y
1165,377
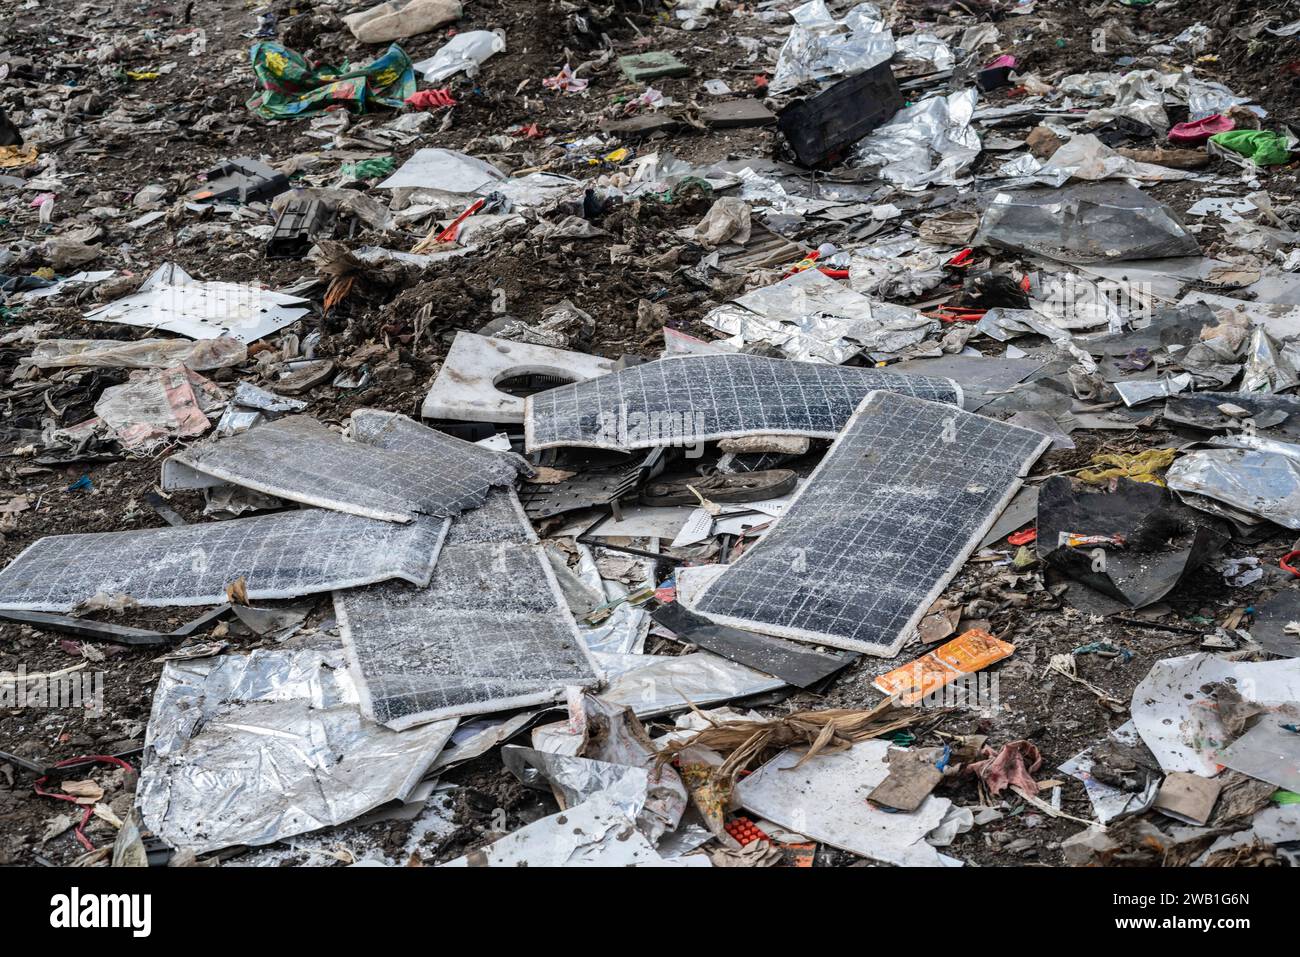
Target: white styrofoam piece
x,y
465,387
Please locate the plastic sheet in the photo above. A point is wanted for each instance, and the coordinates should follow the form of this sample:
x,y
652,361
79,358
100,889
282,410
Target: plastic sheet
x,y
661,684
905,148
157,406
821,48
1100,222
1180,721
290,87
1270,751
443,170
173,301
463,53
1163,540
1088,158
252,749
1139,94
1206,98
824,799
200,356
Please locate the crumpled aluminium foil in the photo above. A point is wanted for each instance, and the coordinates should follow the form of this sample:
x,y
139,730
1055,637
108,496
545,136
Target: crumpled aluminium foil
x,y
575,779
252,749
925,48
906,146
812,317
820,47
1257,476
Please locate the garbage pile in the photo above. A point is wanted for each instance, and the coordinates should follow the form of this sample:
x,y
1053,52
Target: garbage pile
x,y
502,433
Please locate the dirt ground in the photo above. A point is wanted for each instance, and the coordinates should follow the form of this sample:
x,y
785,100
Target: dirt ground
x,y
186,120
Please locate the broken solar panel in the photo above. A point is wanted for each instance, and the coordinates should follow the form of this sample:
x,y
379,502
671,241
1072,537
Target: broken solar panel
x,y
689,399
279,556
397,469
393,432
883,523
491,631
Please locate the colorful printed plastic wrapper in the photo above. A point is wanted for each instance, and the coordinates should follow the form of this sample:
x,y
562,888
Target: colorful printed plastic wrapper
x,y
290,87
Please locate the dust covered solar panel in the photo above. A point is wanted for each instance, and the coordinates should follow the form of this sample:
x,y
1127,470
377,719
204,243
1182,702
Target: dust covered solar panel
x,y
491,631
690,399
395,469
883,523
279,556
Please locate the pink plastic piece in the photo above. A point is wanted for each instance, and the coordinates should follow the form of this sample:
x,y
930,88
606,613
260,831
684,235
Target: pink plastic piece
x,y
1193,134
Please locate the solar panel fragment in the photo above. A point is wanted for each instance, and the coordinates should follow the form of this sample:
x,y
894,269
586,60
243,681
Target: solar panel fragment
x,y
491,631
285,555
397,469
883,523
684,400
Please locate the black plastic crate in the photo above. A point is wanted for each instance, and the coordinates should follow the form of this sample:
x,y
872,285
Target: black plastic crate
x,y
821,127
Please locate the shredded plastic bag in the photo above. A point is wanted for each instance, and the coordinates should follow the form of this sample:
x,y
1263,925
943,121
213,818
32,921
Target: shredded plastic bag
x,y
1140,467
463,53
728,220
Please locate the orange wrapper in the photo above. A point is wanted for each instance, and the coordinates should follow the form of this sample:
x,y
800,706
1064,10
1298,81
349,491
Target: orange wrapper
x,y
966,654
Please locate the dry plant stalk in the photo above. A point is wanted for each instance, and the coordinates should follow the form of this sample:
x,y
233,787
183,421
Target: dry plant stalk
x,y
831,730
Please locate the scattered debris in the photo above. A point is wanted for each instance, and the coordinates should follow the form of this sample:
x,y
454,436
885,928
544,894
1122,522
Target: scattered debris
x,y
504,434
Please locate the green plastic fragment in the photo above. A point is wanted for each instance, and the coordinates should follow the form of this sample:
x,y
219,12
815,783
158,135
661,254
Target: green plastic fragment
x,y
369,168
1261,147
